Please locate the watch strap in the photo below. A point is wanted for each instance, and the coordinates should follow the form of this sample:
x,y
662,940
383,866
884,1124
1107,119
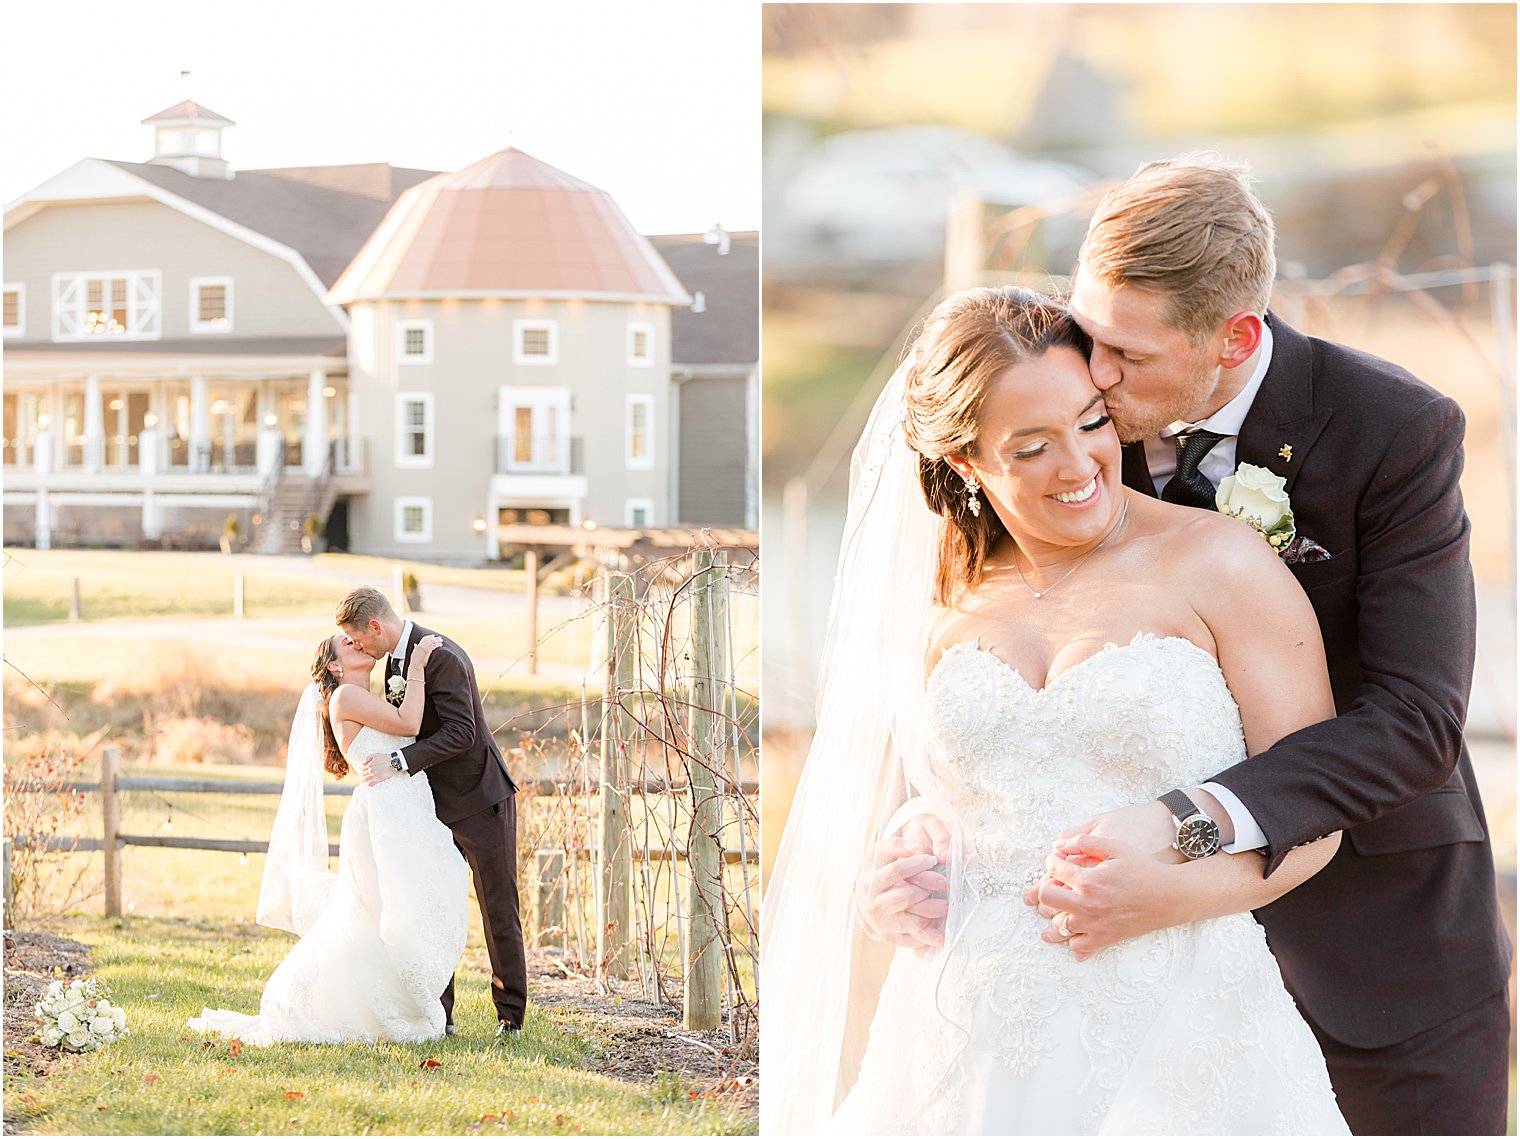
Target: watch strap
x,y
1180,805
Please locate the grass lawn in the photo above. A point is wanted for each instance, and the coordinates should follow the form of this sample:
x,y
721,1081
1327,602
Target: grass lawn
x,y
166,1079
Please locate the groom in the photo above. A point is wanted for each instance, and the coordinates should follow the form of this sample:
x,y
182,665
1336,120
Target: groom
x,y
472,792
1395,951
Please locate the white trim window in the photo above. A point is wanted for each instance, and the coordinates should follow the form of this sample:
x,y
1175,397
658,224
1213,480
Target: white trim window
x,y
638,512
414,342
535,342
13,310
414,519
123,305
414,429
641,344
639,433
210,304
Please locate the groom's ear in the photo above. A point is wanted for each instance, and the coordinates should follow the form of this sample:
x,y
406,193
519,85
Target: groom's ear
x,y
1242,336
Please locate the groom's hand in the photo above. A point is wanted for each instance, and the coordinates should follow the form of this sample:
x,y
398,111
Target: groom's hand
x,y
376,768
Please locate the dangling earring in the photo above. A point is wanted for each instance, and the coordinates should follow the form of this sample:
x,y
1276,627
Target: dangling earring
x,y
340,672
973,503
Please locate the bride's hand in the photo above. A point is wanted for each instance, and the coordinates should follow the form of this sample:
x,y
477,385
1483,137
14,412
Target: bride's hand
x,y
1146,826
422,652
897,896
1102,891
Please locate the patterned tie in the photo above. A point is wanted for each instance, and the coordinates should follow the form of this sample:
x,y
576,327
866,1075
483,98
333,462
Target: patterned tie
x,y
1188,487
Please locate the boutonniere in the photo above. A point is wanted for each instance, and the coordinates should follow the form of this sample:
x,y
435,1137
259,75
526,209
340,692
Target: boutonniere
x,y
395,689
1259,498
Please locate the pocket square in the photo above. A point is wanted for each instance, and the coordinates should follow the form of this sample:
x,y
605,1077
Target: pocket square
x,y
1304,550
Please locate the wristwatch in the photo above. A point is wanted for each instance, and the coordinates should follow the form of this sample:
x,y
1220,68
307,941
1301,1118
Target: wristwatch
x,y
397,762
1197,834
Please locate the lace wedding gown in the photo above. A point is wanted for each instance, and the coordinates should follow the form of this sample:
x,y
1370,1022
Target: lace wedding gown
x,y
1186,1030
376,962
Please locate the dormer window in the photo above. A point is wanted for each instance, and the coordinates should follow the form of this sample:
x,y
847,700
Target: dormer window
x,y
211,304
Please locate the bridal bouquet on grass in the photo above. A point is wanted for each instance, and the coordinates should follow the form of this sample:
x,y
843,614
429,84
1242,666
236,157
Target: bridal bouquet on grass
x,y
78,1017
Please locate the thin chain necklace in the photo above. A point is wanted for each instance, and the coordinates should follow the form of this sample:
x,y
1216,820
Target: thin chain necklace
x,y
1039,593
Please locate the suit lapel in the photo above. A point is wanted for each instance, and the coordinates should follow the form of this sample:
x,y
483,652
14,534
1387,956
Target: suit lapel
x,y
1135,470
1283,424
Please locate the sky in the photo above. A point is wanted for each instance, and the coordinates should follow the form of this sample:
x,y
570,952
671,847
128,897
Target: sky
x,y
656,103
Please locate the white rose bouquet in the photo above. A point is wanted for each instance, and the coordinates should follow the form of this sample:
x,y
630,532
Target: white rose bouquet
x,y
78,1017
1260,499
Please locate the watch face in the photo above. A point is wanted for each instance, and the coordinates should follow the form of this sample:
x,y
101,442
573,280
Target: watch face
x,y
1198,836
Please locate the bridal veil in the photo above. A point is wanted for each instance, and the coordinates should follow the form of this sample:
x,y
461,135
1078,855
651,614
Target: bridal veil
x,y
297,884
865,773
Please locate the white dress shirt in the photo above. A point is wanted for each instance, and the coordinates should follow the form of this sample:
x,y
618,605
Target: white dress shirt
x,y
398,654
1161,458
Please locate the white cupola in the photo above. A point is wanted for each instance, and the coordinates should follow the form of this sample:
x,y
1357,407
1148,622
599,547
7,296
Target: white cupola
x,y
188,137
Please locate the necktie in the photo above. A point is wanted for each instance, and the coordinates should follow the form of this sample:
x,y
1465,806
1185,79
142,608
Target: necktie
x,y
1188,487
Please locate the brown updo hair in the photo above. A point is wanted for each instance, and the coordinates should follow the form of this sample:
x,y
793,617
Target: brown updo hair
x,y
969,341
327,684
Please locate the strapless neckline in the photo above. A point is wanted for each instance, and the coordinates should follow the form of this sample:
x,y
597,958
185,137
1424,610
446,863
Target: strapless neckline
x,y
1139,640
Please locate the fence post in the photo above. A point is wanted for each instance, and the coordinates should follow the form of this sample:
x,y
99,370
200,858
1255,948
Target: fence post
x,y
110,809
74,600
8,885
704,956
614,858
549,905
530,564
237,594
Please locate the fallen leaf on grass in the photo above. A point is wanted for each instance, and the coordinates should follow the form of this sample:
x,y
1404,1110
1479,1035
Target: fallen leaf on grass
x,y
532,1099
150,1079
294,1095
430,1063
235,1048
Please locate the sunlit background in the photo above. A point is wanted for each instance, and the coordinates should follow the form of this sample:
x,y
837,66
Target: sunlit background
x,y
918,148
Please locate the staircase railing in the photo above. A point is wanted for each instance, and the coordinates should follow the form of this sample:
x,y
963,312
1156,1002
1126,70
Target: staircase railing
x,y
267,489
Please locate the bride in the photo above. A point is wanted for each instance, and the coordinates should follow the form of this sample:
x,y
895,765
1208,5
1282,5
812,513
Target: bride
x,y
1038,644
380,939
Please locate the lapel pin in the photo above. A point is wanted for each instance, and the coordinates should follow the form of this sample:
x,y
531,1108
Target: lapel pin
x,y
1286,451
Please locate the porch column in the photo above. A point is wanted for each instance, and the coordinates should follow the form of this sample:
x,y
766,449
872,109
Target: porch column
x,y
314,437
200,425
44,519
351,440
42,442
151,526
94,426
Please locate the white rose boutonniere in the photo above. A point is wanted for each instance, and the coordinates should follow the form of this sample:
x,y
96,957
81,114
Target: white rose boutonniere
x,y
395,689
1260,499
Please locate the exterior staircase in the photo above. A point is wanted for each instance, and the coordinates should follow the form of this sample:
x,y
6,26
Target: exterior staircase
x,y
293,498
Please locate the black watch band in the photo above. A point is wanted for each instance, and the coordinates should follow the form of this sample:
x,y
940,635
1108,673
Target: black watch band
x,y
1180,805
1197,834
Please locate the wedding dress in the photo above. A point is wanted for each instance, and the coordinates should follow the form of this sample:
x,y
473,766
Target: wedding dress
x,y
1185,1030
386,940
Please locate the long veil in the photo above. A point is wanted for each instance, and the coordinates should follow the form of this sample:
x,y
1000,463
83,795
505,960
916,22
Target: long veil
x,y
297,884
865,770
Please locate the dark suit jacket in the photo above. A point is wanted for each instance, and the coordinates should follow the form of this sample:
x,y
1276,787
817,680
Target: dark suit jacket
x,y
1401,931
454,746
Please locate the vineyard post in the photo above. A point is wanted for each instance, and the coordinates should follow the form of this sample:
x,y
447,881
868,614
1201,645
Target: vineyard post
x,y
704,956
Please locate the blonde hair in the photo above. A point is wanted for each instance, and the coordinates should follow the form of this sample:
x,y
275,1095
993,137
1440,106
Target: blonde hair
x,y
1192,230
968,342
363,604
